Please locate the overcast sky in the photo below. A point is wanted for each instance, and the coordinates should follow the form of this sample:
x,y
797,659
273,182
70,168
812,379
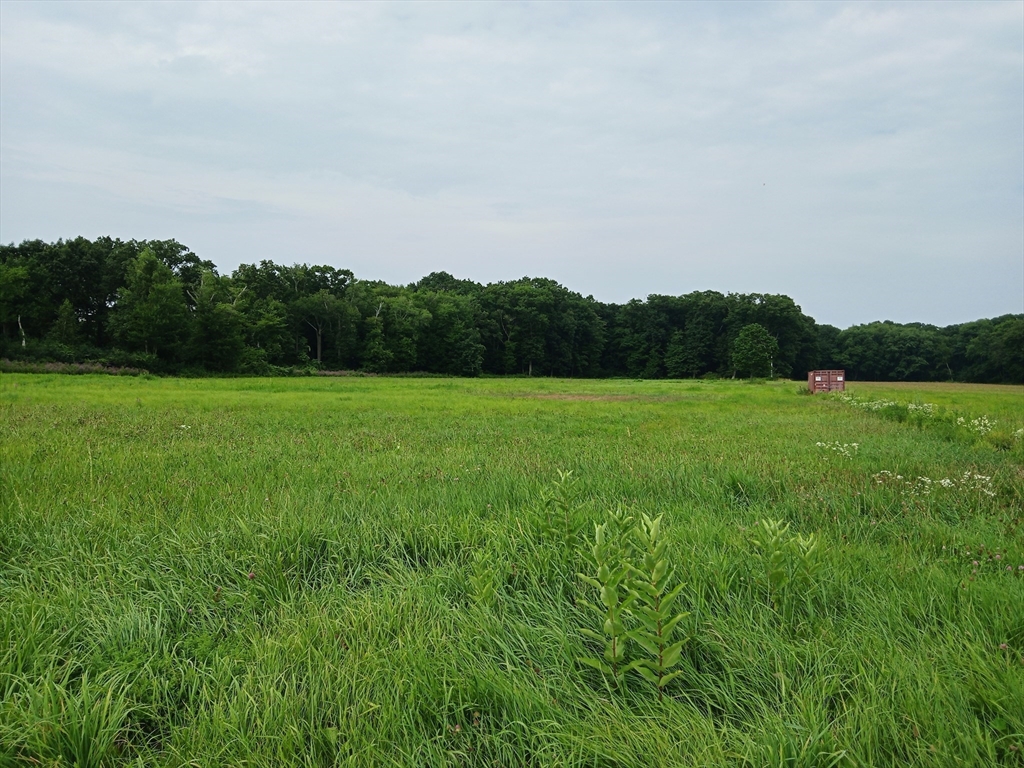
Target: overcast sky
x,y
867,160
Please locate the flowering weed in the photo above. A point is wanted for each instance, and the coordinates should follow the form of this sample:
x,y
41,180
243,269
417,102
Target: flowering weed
x,y
950,422
968,482
653,606
844,450
980,426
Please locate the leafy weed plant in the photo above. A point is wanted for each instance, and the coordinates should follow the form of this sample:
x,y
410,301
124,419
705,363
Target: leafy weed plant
x,y
559,502
792,564
653,606
633,577
482,580
610,579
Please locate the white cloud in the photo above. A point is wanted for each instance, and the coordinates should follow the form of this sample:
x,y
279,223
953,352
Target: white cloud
x,y
623,149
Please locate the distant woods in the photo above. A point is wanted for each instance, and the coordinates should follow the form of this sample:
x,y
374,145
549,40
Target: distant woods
x,y
158,306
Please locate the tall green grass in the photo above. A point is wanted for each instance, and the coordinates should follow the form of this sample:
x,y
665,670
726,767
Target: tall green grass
x,y
384,572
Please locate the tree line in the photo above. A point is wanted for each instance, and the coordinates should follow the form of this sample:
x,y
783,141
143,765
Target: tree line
x,y
156,305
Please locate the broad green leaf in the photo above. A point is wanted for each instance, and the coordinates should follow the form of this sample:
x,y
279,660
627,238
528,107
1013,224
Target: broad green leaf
x,y
591,581
647,674
670,597
671,655
596,664
669,626
666,679
651,646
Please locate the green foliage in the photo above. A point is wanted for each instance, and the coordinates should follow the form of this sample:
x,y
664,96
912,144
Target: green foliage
x,y
558,503
653,601
632,574
482,580
266,328
609,578
792,564
14,285
66,328
996,352
151,314
981,351
217,339
320,312
144,297
754,351
133,509
376,355
371,513
677,357
77,725
951,423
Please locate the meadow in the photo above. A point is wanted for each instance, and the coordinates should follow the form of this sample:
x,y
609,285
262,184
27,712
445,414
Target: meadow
x,y
386,571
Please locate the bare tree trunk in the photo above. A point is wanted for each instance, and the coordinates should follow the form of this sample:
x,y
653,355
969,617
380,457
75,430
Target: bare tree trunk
x,y
319,337
22,330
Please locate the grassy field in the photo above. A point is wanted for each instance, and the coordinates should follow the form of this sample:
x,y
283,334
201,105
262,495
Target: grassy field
x,y
375,571
1001,401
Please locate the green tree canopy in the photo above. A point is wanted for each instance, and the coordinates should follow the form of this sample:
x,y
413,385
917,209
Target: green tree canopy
x,y
158,298
754,351
151,314
217,340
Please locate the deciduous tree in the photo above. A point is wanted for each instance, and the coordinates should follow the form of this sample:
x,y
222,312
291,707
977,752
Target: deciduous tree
x,y
754,351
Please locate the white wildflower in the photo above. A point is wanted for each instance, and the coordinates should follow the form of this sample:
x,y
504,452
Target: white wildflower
x,y
924,486
846,450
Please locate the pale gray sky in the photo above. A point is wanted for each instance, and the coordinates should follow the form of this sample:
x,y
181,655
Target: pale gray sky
x,y
865,159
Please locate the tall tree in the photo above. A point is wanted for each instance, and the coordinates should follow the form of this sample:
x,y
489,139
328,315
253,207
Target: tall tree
x,y
319,311
450,341
66,329
217,337
754,351
892,352
676,360
14,287
151,314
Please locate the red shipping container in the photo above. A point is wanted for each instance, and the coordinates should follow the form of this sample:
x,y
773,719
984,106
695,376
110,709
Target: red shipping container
x,y
826,381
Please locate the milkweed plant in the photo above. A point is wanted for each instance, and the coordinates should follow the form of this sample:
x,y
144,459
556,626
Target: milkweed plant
x,y
792,563
633,577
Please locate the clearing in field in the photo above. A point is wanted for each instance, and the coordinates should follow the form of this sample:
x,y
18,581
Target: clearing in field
x,y
472,572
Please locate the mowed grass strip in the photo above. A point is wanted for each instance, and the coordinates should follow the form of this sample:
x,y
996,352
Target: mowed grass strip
x,y
278,572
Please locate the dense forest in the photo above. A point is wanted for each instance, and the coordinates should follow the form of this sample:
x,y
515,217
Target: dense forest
x,y
156,305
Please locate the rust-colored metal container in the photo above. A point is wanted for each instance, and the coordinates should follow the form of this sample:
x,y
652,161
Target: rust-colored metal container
x,y
826,381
